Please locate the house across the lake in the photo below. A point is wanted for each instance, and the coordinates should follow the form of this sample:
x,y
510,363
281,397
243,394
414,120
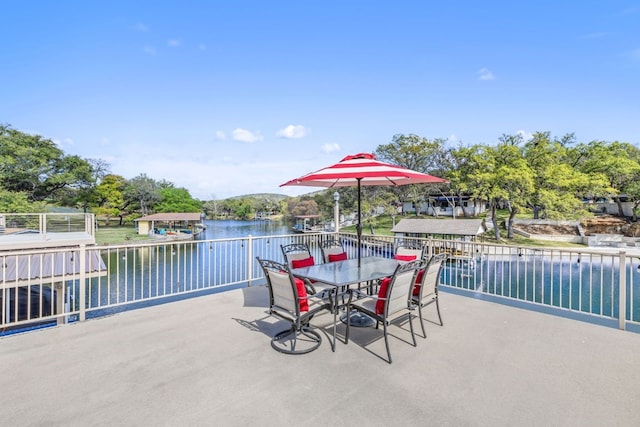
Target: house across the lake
x,y
447,205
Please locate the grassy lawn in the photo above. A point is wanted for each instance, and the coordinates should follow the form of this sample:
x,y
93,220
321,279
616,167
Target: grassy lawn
x,y
115,234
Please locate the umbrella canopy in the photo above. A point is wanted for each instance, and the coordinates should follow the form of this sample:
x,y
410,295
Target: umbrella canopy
x,y
362,169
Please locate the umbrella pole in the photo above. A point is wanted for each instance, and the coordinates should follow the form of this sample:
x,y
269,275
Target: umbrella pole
x,y
359,225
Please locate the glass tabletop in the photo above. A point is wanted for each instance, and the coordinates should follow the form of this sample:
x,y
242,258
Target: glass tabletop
x,y
344,273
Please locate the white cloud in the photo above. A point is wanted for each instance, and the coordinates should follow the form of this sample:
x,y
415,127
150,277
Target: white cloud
x,y
150,50
330,148
224,178
244,135
485,74
141,27
66,142
293,132
173,43
220,135
526,136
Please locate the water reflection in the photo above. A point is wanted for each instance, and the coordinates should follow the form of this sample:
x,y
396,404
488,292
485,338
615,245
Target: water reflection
x,y
229,229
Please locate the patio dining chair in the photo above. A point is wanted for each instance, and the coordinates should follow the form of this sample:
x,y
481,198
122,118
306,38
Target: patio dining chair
x,y
393,300
409,251
298,255
288,300
406,251
425,291
332,250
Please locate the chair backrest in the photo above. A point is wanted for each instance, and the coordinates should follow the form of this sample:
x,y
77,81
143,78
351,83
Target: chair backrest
x,y
410,249
401,287
283,293
331,247
431,276
295,251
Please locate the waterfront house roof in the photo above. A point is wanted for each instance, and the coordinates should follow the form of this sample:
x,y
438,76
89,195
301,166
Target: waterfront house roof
x,y
458,227
50,267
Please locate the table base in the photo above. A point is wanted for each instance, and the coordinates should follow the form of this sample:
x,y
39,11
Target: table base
x,y
358,319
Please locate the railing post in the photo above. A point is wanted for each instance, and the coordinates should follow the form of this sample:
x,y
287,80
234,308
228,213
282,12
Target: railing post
x,y
249,259
430,247
622,291
82,265
43,225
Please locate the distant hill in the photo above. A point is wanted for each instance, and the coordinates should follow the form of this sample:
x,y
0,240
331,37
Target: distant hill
x,y
261,196
272,196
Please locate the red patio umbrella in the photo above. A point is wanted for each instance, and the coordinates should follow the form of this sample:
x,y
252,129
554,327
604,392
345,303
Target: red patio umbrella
x,y
362,169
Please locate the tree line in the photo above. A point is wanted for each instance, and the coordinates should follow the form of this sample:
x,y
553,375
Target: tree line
x,y
35,172
548,176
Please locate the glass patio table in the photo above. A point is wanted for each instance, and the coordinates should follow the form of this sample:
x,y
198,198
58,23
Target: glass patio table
x,y
342,274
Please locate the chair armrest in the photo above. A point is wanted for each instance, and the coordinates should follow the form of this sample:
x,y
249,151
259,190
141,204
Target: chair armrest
x,y
359,295
311,290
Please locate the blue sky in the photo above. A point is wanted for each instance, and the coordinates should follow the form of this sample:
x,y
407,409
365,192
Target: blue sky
x,y
236,97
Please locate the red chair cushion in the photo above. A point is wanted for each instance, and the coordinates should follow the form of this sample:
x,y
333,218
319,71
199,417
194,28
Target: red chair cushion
x,y
382,293
302,294
405,257
299,263
416,288
338,257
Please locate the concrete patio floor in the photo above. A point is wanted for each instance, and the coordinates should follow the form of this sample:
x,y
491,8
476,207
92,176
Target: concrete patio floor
x,y
208,361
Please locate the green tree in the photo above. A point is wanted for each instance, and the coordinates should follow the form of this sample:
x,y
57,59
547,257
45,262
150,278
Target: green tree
x,y
617,162
457,166
559,186
501,176
110,198
416,153
513,181
413,152
141,194
85,194
304,206
174,199
18,202
36,166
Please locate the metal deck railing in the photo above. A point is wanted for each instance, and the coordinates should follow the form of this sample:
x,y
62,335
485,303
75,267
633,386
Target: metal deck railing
x,y
50,285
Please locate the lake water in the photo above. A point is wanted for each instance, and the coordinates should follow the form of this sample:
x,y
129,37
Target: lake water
x,y
229,229
144,274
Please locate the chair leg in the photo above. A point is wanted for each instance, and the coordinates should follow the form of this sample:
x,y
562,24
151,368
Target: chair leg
x,y
313,336
386,341
413,335
438,308
424,332
346,334
335,314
